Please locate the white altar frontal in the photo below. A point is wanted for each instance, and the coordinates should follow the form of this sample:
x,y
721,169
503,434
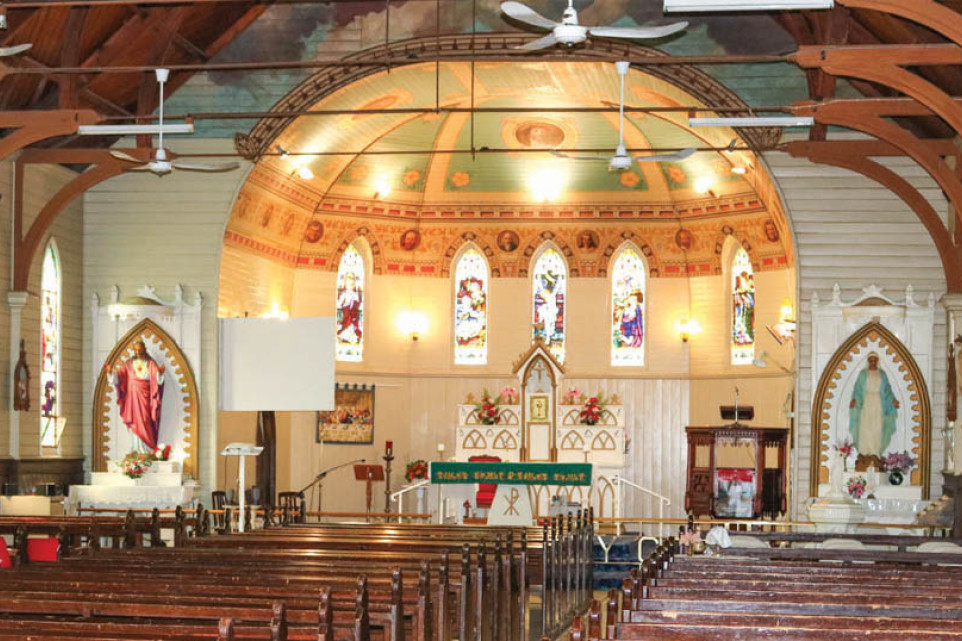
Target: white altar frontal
x,y
543,424
162,486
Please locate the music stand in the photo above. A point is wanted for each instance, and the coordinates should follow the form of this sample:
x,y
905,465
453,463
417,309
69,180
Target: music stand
x,y
368,474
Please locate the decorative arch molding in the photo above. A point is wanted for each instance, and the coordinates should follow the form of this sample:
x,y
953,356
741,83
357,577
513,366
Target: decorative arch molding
x,y
469,238
723,255
377,259
872,336
535,247
178,371
481,46
636,242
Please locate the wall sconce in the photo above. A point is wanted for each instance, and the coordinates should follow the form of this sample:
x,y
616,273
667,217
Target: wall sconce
x,y
304,173
412,324
382,189
784,329
276,312
688,327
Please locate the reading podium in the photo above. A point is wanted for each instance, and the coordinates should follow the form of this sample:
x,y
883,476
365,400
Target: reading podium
x,y
369,474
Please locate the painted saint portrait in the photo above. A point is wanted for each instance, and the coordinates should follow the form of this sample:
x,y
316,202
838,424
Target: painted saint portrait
x,y
771,231
684,239
587,239
508,241
410,240
539,134
314,232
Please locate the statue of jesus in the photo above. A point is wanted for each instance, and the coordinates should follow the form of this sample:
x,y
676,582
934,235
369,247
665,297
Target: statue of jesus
x,y
139,382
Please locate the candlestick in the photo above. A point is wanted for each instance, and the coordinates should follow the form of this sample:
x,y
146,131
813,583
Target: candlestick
x,y
389,447
388,457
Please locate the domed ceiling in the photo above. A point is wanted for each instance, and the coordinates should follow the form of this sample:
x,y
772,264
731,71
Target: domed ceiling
x,y
345,171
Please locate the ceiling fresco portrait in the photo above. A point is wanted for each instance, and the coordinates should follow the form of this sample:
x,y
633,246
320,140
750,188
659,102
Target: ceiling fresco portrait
x,y
335,177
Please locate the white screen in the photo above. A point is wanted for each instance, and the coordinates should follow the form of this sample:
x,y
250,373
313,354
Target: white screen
x,y
275,364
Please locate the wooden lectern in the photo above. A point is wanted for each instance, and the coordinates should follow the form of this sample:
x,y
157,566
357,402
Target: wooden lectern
x,y
369,474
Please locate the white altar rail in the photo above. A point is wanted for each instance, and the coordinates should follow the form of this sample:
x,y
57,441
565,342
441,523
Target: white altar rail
x,y
398,497
663,503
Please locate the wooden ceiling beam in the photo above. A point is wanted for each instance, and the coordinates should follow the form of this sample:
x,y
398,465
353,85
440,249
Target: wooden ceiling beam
x,y
69,87
33,126
931,14
885,66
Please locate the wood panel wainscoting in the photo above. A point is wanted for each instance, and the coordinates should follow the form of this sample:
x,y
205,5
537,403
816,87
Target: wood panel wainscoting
x,y
30,473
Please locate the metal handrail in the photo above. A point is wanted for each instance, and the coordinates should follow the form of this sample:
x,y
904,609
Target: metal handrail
x,y
399,495
663,502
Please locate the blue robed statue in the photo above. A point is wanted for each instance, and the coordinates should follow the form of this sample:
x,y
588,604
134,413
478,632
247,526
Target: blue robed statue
x,y
873,410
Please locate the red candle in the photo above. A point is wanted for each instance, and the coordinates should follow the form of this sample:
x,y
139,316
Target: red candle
x,y
389,447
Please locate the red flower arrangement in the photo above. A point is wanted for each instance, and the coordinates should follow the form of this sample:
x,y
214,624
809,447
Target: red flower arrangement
x,y
488,411
844,448
161,452
136,464
416,470
856,487
591,412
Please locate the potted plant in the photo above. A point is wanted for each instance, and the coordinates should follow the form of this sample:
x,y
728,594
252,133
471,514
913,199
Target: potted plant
x,y
488,410
416,470
898,464
856,487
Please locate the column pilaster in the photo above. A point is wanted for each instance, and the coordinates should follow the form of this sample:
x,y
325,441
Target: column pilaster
x,y
952,302
15,302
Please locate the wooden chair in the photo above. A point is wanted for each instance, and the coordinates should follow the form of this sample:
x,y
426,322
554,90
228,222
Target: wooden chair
x,y
218,499
291,504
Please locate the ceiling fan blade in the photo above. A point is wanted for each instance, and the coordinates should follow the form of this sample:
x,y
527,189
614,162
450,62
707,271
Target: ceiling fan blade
x,y
120,155
541,43
527,15
675,157
561,154
638,33
14,50
146,167
224,166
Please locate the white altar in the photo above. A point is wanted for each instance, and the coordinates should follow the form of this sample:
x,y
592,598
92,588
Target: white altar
x,y
544,424
162,487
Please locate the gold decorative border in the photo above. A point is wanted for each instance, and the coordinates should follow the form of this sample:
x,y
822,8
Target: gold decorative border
x,y
178,368
825,394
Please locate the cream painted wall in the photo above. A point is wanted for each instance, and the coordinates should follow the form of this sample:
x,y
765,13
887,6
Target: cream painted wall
x,y
41,182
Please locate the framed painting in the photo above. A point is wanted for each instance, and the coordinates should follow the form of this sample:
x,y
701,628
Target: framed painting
x,y
538,408
352,419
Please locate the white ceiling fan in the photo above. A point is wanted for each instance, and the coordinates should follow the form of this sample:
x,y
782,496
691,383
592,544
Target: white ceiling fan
x,y
160,164
569,32
14,50
622,161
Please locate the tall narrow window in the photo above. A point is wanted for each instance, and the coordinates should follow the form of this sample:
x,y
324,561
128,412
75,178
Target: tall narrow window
x,y
471,309
628,309
350,306
743,309
50,347
550,284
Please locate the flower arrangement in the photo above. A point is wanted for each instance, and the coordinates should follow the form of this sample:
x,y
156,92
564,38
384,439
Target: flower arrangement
x,y
161,452
416,470
488,410
136,464
509,395
898,462
591,412
692,537
571,396
856,487
844,448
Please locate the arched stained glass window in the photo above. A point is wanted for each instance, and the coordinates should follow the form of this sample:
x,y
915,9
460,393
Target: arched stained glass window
x,y
350,306
471,309
743,309
628,309
550,284
50,348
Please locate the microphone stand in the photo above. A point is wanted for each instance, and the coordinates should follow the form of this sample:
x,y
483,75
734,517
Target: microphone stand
x,y
319,479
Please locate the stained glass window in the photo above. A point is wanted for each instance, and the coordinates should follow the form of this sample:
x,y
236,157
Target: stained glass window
x,y
628,309
471,309
350,306
50,348
550,284
743,309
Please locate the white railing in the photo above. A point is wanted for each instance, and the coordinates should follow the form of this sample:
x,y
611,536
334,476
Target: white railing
x,y
663,502
399,496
